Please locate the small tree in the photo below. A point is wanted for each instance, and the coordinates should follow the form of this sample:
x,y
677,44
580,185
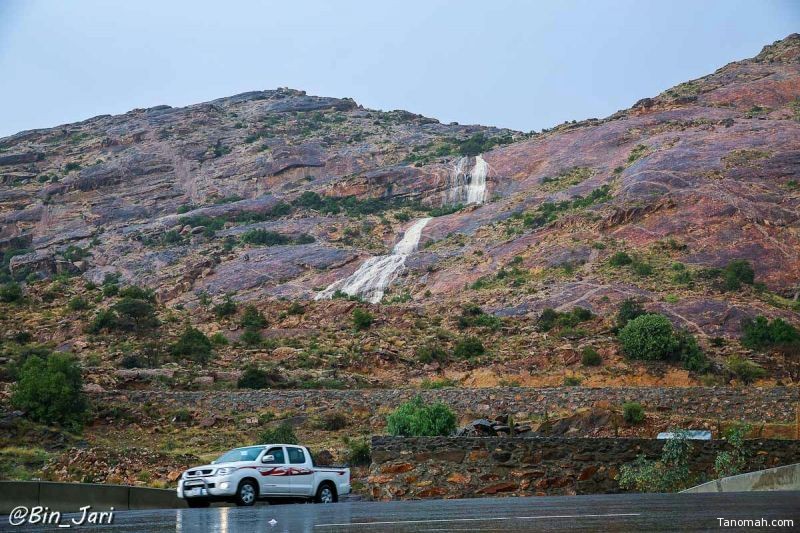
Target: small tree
x,y
415,418
468,347
50,391
732,462
362,319
194,345
670,473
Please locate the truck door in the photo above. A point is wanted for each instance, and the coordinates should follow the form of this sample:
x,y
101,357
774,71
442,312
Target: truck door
x,y
275,479
302,473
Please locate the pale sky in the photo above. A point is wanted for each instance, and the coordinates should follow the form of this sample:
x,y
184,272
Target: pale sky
x,y
520,64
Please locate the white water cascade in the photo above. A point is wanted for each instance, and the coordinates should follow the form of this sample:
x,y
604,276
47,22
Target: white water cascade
x,y
376,273
468,187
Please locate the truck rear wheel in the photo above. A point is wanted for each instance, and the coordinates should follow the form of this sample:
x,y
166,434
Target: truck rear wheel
x,y
247,493
326,493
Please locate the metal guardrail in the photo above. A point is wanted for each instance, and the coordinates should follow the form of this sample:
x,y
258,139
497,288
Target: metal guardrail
x,y
780,478
68,497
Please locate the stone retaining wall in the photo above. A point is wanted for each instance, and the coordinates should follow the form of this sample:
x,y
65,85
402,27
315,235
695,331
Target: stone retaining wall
x,y
751,404
467,467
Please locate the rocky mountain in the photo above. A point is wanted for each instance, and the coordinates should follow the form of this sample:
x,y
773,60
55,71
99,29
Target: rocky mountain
x,y
271,197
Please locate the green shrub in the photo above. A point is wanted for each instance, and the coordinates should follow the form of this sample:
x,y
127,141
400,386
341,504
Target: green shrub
x,y
128,314
182,416
431,352
737,272
137,293
219,339
572,381
732,462
358,452
333,421
633,412
415,418
281,434
251,337
670,473
620,259
690,354
433,384
192,345
254,378
264,237
648,337
78,304
547,320
362,319
10,292
473,316
744,369
641,268
551,318
252,318
296,308
760,333
50,391
590,357
628,310
226,308
468,347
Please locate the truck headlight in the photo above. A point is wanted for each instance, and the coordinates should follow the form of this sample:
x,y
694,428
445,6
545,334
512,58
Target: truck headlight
x,y
224,471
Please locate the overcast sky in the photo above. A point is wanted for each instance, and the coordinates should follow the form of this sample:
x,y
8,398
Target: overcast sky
x,y
519,64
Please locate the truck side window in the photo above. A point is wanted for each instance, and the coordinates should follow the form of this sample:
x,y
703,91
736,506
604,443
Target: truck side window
x,y
296,456
277,453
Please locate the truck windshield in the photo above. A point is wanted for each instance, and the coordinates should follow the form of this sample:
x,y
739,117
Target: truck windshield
x,y
240,454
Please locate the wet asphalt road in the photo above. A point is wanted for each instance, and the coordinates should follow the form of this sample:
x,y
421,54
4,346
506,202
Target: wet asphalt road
x,y
628,512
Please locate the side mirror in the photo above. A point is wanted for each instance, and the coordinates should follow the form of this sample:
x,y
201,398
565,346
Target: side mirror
x,y
268,458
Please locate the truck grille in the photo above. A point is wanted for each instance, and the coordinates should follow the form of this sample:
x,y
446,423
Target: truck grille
x,y
199,473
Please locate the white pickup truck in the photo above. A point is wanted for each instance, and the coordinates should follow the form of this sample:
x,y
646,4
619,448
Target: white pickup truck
x,y
266,471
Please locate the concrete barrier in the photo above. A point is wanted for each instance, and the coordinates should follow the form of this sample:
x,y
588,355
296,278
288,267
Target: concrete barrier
x,y
69,497
779,478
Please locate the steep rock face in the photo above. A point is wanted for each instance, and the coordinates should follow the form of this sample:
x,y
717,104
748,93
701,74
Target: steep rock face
x,y
165,195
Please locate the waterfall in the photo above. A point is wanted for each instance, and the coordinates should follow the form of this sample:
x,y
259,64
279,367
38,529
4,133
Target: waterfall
x,y
468,187
376,273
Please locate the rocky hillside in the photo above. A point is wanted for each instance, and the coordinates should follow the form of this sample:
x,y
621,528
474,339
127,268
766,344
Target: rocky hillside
x,y
267,198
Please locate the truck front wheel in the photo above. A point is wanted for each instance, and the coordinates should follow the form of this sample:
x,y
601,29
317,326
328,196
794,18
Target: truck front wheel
x,y
326,493
247,493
